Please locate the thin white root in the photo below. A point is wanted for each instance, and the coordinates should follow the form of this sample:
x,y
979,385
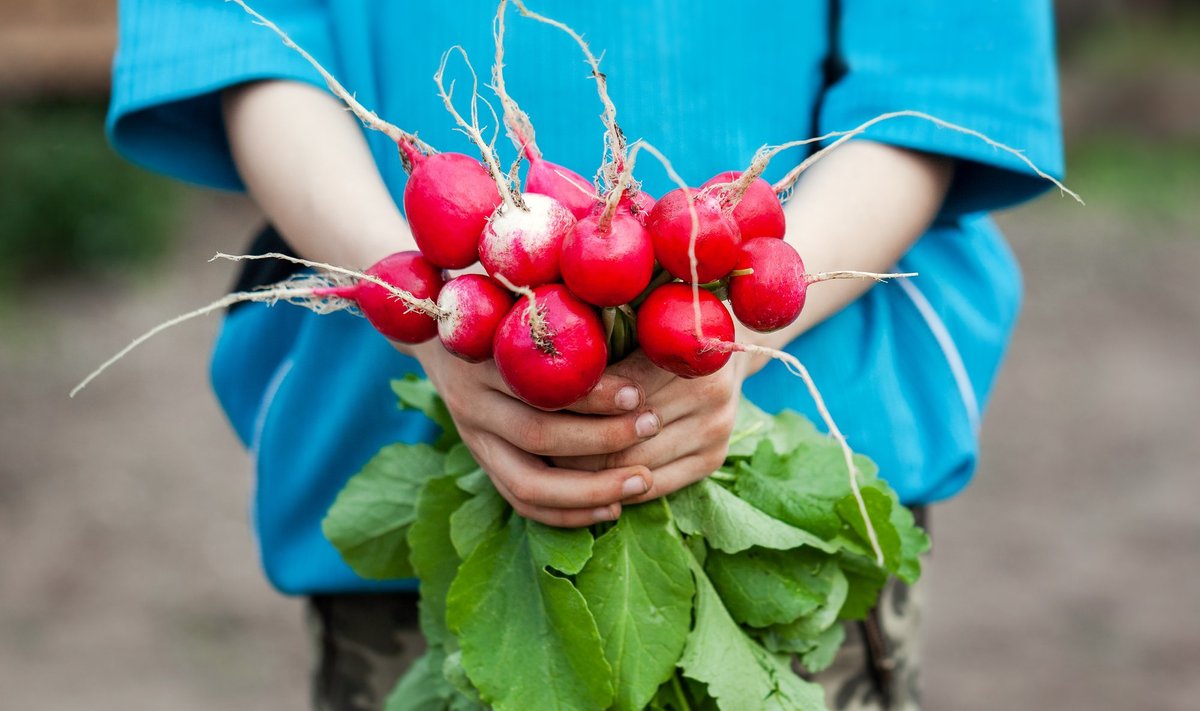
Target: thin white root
x,y
471,128
797,368
691,202
850,274
614,137
785,185
539,330
520,127
369,118
297,291
425,306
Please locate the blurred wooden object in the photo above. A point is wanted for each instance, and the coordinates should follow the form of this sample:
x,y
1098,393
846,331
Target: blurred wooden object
x,y
56,48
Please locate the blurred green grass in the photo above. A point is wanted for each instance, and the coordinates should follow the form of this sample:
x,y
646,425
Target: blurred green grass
x,y
73,208
1153,181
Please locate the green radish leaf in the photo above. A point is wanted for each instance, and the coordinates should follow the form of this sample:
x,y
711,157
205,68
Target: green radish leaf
x,y
800,487
467,696
879,508
762,587
422,688
823,650
417,393
476,520
433,555
527,637
784,431
460,462
738,672
639,590
913,542
865,581
730,524
797,636
368,522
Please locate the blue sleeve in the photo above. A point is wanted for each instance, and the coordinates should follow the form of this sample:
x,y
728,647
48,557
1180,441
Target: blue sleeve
x,y
172,60
987,65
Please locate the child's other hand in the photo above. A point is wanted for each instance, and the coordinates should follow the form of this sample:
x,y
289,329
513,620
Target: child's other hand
x,y
697,419
510,439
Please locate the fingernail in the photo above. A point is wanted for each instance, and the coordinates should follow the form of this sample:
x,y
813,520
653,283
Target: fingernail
x,y
633,486
646,425
628,398
605,513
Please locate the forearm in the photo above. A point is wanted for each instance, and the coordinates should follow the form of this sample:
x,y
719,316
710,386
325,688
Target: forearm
x,y
861,207
306,163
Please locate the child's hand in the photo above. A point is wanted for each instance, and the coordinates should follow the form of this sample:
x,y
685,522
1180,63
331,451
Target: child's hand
x,y
509,440
697,415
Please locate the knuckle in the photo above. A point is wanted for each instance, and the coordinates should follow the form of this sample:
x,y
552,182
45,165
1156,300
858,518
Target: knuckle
x,y
531,435
521,492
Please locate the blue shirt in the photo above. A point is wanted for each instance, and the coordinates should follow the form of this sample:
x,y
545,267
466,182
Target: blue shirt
x,y
905,369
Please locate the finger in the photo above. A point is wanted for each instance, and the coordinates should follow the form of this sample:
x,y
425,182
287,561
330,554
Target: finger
x,y
713,394
560,518
680,473
533,483
684,438
553,434
612,395
638,368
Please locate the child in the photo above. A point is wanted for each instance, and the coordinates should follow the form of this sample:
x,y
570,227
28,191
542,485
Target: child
x,y
203,94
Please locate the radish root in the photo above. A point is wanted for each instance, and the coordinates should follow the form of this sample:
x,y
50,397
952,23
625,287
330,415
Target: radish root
x,y
784,186
795,367
472,130
412,303
369,118
691,203
539,330
614,137
303,291
520,127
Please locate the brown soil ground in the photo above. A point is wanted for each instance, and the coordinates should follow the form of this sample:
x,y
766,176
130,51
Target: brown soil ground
x,y
1064,578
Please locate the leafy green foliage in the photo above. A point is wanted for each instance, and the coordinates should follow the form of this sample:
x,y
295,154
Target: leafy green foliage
x,y
638,588
697,602
369,521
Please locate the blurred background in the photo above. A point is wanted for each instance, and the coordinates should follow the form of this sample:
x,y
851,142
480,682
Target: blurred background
x,y
1066,577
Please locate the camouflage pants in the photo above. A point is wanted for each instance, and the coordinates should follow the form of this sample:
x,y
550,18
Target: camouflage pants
x,y
364,643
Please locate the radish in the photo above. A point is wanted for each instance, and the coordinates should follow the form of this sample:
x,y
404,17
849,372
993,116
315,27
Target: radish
x,y
448,199
716,243
472,307
675,340
390,316
758,212
608,264
550,348
772,294
524,243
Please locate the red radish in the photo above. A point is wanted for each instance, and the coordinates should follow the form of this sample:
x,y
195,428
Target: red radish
x,y
448,200
772,295
389,315
717,241
472,307
524,244
640,205
575,192
666,331
607,267
758,213
554,354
